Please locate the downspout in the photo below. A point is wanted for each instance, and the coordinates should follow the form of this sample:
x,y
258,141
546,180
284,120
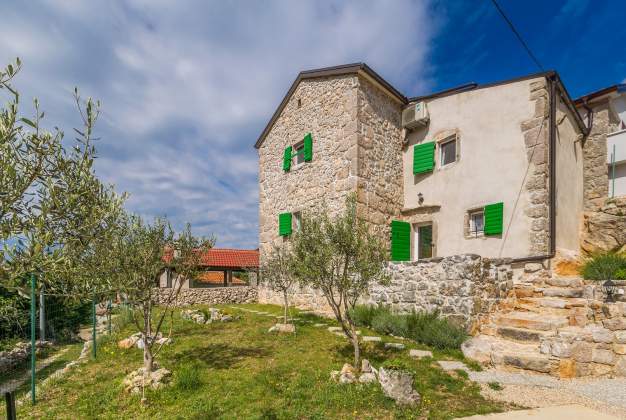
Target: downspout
x,y
552,177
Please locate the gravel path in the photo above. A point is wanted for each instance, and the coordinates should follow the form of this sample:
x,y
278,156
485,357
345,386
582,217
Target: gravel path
x,y
528,390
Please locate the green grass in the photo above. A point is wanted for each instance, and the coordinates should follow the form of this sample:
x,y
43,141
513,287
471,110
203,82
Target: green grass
x,y
495,386
238,370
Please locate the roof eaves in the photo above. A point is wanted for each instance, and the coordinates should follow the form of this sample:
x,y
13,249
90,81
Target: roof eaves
x,y
339,70
599,93
475,86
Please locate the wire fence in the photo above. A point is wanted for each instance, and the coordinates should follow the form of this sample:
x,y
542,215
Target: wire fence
x,y
64,330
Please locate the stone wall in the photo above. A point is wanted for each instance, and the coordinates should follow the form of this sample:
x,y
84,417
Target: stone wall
x,y
211,296
461,287
19,353
326,108
596,178
535,131
604,227
379,188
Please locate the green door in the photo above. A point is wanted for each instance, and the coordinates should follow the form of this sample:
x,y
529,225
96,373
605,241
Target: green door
x,y
425,238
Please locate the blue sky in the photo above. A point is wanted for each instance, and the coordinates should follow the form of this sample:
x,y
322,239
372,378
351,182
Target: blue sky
x,y
186,87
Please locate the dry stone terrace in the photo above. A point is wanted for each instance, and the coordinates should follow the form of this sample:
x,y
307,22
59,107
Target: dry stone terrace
x,y
561,326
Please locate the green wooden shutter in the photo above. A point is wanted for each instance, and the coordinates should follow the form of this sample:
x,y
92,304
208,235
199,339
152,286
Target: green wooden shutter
x,y
493,218
308,147
284,224
400,241
287,159
423,157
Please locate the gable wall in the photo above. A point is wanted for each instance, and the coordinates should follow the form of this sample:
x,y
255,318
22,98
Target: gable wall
x,y
329,112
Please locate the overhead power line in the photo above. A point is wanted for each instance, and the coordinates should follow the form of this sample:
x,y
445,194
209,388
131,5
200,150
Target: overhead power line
x,y
517,34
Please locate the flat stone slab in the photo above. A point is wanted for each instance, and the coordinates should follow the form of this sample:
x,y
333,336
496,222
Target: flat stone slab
x,y
320,325
396,346
420,354
334,329
371,338
452,365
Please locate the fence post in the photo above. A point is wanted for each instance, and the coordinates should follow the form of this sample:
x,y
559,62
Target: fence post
x,y
33,347
109,307
9,397
93,328
42,314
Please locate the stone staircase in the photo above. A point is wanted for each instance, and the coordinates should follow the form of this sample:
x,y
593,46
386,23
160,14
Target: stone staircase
x,y
553,325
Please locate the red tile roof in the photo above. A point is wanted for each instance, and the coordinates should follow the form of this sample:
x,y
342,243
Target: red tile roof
x,y
231,258
225,258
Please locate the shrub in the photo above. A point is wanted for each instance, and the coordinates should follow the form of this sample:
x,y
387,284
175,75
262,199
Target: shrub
x,y
362,315
423,327
604,266
188,378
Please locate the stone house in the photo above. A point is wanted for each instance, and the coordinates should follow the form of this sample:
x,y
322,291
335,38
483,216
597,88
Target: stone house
x,y
487,193
494,170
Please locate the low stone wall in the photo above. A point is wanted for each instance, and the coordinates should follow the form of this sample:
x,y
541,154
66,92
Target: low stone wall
x,y
604,229
18,354
461,287
211,296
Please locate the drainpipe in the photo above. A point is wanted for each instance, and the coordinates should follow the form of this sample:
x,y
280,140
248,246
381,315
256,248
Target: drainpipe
x,y
552,176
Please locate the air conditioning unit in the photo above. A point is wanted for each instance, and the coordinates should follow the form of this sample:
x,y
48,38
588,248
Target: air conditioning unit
x,y
415,115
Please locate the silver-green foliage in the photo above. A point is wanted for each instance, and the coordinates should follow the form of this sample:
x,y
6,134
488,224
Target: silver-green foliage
x,y
341,257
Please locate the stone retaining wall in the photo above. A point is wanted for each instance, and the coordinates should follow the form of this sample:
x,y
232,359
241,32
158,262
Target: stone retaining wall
x,y
211,296
11,358
604,228
461,287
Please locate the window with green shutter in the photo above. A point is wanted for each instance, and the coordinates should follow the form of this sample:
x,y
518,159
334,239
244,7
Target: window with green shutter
x,y
284,224
400,241
423,157
308,147
287,159
494,216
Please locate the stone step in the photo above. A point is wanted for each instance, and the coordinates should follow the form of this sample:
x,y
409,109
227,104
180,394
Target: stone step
x,y
532,307
553,302
531,320
565,281
523,335
529,360
560,292
498,351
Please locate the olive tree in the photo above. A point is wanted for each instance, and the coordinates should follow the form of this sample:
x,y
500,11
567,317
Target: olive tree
x,y
341,257
143,252
53,207
278,272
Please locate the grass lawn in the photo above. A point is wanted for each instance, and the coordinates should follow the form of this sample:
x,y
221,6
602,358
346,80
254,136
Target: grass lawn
x,y
238,370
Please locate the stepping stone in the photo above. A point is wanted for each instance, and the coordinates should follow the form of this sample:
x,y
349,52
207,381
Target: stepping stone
x,y
334,329
396,346
319,325
452,365
367,338
420,354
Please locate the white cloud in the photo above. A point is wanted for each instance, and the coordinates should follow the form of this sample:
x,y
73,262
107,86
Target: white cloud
x,y
187,88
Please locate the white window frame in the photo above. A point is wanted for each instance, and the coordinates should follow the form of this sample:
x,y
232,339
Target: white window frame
x,y
298,154
473,233
296,221
454,138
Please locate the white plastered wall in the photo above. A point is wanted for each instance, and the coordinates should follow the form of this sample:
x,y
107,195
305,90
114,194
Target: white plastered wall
x,y
492,167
